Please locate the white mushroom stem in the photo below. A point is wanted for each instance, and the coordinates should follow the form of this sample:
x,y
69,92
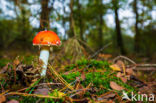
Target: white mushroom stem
x,y
44,55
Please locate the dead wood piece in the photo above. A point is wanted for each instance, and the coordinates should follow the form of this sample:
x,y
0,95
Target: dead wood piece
x,y
123,57
145,68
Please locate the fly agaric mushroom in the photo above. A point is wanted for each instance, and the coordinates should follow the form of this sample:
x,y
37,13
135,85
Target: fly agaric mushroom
x,y
45,39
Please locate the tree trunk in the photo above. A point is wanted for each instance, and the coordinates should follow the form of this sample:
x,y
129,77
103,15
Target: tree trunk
x,y
118,29
137,33
44,18
71,31
100,36
80,21
24,22
64,19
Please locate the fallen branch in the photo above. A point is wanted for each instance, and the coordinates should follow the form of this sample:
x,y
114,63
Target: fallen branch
x,y
146,65
4,92
86,45
83,90
97,52
123,57
134,65
49,84
32,95
40,85
144,68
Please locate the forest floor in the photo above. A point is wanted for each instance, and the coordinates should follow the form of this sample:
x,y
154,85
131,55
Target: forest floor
x,y
105,79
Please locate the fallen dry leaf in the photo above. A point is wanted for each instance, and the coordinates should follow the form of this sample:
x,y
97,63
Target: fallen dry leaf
x,y
119,74
124,79
13,101
16,61
83,100
129,71
107,96
83,75
146,90
115,67
2,98
128,77
4,69
100,101
121,65
105,56
110,101
115,86
43,91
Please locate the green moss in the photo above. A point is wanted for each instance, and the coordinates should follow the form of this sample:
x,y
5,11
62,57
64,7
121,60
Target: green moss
x,y
71,76
96,72
3,62
28,59
97,78
88,64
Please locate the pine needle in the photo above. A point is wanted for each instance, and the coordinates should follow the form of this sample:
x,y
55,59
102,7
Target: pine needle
x,y
60,78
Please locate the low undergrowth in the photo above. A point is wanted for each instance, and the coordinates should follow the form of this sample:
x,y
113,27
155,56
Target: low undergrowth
x,y
89,79
96,72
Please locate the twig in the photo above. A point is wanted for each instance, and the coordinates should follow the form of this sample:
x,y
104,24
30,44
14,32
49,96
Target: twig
x,y
60,78
22,89
146,65
32,95
136,66
4,92
105,94
40,85
79,100
123,57
97,52
78,90
70,84
83,90
49,84
144,68
86,45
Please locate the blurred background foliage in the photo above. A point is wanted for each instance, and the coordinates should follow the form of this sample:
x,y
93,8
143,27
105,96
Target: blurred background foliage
x,y
85,20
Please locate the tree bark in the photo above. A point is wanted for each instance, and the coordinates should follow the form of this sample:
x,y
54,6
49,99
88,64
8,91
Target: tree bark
x,y
100,36
64,19
44,18
81,25
23,20
118,28
71,31
137,33
25,23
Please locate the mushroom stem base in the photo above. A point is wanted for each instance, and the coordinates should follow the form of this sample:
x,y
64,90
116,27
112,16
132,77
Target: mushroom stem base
x,y
44,55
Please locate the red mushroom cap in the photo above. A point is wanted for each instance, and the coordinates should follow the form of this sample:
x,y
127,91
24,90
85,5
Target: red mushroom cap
x,y
46,38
